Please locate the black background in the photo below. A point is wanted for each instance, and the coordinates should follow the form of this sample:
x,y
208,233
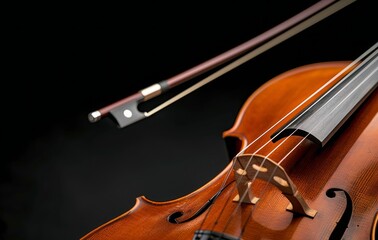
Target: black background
x,y
62,176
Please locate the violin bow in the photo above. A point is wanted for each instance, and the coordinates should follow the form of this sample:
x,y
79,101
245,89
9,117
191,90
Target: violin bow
x,y
126,112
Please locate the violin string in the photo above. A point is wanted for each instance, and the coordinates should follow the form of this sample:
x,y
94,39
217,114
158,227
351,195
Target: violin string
x,y
275,41
274,125
297,145
253,179
304,138
281,120
354,63
349,66
268,130
305,24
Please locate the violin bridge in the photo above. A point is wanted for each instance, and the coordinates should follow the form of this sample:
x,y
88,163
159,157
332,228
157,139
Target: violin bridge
x,y
248,167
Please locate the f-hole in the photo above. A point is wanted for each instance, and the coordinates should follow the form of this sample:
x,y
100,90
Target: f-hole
x,y
342,224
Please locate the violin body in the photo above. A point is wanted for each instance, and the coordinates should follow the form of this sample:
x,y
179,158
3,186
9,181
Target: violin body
x,y
338,181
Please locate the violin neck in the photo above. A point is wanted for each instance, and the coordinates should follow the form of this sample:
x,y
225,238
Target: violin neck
x,y
321,120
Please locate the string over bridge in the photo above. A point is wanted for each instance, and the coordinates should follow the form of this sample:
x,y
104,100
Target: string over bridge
x,y
248,167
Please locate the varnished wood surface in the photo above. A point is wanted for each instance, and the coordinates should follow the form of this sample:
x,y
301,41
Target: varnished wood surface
x,y
349,162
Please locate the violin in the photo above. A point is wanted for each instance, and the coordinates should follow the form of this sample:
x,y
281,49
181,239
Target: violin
x,y
303,162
